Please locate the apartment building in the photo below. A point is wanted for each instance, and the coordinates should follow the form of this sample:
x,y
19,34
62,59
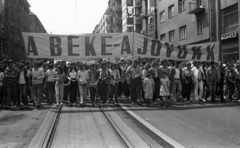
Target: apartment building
x,y
229,30
185,21
114,16
128,15
14,21
145,17
35,24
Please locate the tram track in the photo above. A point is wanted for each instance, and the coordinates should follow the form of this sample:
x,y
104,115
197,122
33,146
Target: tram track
x,y
123,139
48,140
51,138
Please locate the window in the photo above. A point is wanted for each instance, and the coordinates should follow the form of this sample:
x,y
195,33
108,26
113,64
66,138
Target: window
x,y
199,26
162,16
171,11
172,36
182,6
183,32
229,19
129,21
130,29
162,37
129,2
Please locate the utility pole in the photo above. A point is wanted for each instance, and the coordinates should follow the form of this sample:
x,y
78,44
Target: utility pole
x,y
219,26
156,19
238,29
146,16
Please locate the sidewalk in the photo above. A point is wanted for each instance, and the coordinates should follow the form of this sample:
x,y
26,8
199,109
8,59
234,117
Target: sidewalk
x,y
18,127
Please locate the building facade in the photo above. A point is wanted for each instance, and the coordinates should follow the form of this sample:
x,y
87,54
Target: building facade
x,y
14,21
114,16
229,30
185,21
128,15
35,24
145,17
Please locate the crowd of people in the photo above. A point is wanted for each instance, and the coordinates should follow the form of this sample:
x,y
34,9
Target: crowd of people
x,y
141,83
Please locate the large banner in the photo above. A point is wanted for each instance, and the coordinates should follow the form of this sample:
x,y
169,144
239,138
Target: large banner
x,y
84,46
152,48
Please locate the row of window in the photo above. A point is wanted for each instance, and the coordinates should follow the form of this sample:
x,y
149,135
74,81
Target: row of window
x,y
171,11
183,32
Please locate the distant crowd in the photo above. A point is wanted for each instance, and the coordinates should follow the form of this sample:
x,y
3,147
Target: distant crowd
x,y
140,83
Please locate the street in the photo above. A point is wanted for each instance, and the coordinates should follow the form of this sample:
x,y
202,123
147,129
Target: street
x,y
198,125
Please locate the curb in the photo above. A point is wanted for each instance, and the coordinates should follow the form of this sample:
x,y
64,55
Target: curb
x,y
44,129
152,128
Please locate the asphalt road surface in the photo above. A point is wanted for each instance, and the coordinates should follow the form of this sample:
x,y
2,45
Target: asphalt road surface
x,y
196,125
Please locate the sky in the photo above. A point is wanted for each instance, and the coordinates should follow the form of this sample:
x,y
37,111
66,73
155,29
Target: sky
x,y
58,16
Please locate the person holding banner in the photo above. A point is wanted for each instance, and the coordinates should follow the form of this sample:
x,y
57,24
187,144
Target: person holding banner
x,y
82,80
135,73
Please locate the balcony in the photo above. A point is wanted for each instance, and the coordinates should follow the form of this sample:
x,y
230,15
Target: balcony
x,y
196,6
117,8
151,11
138,3
118,21
141,16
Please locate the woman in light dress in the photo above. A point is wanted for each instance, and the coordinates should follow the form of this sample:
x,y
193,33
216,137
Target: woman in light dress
x,y
148,87
164,89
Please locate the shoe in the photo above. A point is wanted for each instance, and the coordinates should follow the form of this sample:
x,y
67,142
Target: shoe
x,y
140,103
93,105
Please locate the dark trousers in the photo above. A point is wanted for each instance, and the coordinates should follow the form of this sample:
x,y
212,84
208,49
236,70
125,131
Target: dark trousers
x,y
126,89
231,89
73,88
11,93
238,87
187,90
211,90
66,90
135,88
220,90
1,95
103,91
157,89
92,93
23,93
114,91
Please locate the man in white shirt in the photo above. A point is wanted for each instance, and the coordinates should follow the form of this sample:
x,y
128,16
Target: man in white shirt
x,y
37,83
198,77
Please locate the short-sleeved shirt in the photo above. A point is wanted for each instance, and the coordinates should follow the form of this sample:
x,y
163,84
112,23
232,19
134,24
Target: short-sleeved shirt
x,y
50,75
